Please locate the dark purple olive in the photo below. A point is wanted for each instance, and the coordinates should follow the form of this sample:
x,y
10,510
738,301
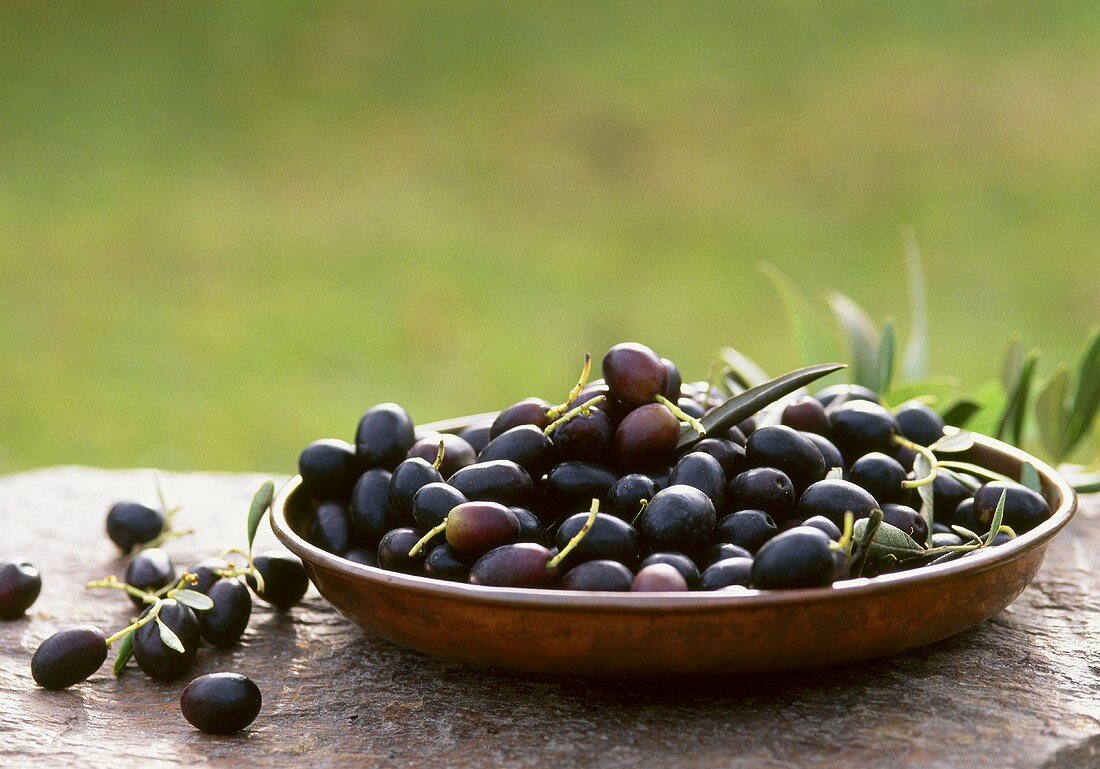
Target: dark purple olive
x,y
477,435
393,551
407,479
730,455
457,452
20,584
859,427
881,475
691,407
221,703
647,436
474,528
1024,508
807,415
607,576
829,452
529,411
703,472
609,538
524,564
153,656
721,551
68,657
787,450
747,528
731,571
679,518
844,393
384,436
362,556
614,409
371,514
285,579
433,502
206,571
526,445
674,382
150,570
634,373
762,488
530,527
130,524
948,492
624,498
687,568
224,624
833,498
585,438
824,524
497,481
658,578
571,486
328,468
919,423
799,557
746,427
907,519
444,562
331,528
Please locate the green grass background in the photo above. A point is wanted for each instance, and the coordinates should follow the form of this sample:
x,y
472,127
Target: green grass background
x,y
228,228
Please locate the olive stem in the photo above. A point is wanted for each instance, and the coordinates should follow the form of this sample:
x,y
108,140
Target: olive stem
x,y
573,413
427,538
113,583
149,617
682,415
187,579
844,544
576,540
166,536
642,505
575,393
925,452
439,455
233,551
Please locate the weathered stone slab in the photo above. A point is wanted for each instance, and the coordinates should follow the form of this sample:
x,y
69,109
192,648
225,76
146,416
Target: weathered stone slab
x,y
1023,690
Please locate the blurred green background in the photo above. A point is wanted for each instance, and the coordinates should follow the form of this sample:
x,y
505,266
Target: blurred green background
x,y
226,229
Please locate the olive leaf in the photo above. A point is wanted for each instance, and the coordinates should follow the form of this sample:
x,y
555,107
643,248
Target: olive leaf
x,y
805,321
745,371
966,533
998,519
740,406
1052,413
922,468
193,598
960,412
1029,477
886,358
963,440
1086,399
915,358
890,540
1085,483
1011,424
1013,364
170,639
863,533
862,337
125,651
935,391
260,503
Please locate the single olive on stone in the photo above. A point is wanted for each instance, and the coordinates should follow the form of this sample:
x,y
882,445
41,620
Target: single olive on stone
x,y
285,579
68,657
221,703
130,524
20,584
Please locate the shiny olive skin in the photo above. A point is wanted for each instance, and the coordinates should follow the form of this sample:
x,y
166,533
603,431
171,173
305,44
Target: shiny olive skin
x,y
432,502
1024,508
881,475
393,551
691,407
68,657
730,571
224,624
679,518
204,571
829,452
530,527
947,492
285,579
683,564
610,538
221,703
832,498
788,450
674,381
362,556
529,411
603,575
964,516
647,436
832,531
477,435
330,528
799,557
919,423
806,414
523,564
634,373
658,578
457,452
407,479
701,471
719,552
571,486
500,481
946,539
907,519
329,469
844,393
20,584
474,528
526,445
154,658
624,498
747,528
585,438
762,488
371,514
130,524
150,569
444,562
384,436
858,427
730,455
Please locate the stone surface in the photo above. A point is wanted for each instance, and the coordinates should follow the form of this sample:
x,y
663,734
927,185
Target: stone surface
x,y
1022,690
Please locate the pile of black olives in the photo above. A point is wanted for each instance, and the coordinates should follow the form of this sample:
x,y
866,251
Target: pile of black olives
x,y
506,502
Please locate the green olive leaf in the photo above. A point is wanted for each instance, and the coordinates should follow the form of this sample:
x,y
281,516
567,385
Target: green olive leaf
x,y
863,533
1029,477
952,444
966,533
862,337
744,370
1086,399
1013,365
733,410
1085,483
998,519
1051,412
260,503
1011,425
890,540
960,412
170,639
125,652
886,358
922,468
193,598
915,358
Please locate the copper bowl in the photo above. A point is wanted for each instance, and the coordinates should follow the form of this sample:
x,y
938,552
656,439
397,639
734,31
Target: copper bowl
x,y
636,634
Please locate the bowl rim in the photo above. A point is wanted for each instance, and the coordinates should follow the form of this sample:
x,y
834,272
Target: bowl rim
x,y
747,598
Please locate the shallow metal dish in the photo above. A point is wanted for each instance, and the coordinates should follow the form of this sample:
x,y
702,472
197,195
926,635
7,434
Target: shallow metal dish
x,y
631,634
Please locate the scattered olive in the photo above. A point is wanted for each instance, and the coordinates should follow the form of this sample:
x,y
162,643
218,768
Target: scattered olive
x,y
20,584
130,524
68,657
221,703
